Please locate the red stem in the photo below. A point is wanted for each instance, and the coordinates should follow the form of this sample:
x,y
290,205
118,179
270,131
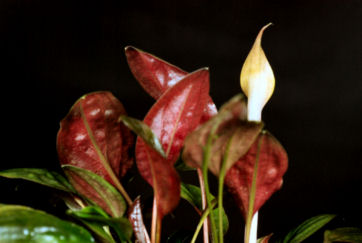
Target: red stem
x,y
204,205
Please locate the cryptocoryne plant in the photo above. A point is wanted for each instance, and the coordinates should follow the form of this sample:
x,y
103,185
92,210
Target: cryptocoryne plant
x,y
96,146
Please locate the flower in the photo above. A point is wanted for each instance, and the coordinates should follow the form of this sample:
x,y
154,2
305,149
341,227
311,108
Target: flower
x,y
257,79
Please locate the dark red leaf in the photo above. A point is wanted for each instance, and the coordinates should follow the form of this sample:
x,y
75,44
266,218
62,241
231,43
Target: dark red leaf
x,y
177,112
272,165
136,219
90,131
229,123
156,76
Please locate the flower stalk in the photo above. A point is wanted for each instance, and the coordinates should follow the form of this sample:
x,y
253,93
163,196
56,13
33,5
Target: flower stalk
x,y
257,82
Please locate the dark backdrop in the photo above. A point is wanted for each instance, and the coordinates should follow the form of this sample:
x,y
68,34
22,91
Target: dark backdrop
x,y
53,52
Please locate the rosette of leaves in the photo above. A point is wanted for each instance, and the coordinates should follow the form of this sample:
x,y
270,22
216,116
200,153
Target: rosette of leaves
x,y
182,103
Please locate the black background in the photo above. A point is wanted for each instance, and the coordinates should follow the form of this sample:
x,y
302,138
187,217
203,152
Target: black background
x,y
53,52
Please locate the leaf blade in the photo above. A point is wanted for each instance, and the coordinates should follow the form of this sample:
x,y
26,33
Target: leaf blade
x,y
156,76
97,189
229,123
95,215
91,137
192,194
307,228
136,219
145,132
171,118
42,176
272,165
19,224
345,234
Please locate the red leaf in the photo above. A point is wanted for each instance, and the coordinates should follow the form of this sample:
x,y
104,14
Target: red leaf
x,y
172,117
79,146
230,127
156,76
136,219
272,165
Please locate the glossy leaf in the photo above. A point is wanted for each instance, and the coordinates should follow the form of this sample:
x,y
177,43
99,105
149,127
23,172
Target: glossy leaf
x,y
307,228
145,132
42,176
86,215
192,194
92,138
156,76
272,164
20,224
171,118
98,190
229,123
346,234
136,219
121,226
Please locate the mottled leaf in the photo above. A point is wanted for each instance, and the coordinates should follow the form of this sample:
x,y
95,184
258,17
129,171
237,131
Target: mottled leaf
x,y
98,190
19,224
171,118
156,76
42,176
229,123
91,137
271,166
345,234
307,228
136,219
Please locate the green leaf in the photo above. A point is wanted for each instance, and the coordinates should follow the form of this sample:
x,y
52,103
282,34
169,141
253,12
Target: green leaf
x,y
192,194
19,224
42,176
86,216
346,234
98,217
307,228
103,194
145,132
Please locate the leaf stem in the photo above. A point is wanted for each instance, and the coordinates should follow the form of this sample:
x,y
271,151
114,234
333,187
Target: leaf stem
x,y
205,165
202,221
252,197
220,192
156,224
204,205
